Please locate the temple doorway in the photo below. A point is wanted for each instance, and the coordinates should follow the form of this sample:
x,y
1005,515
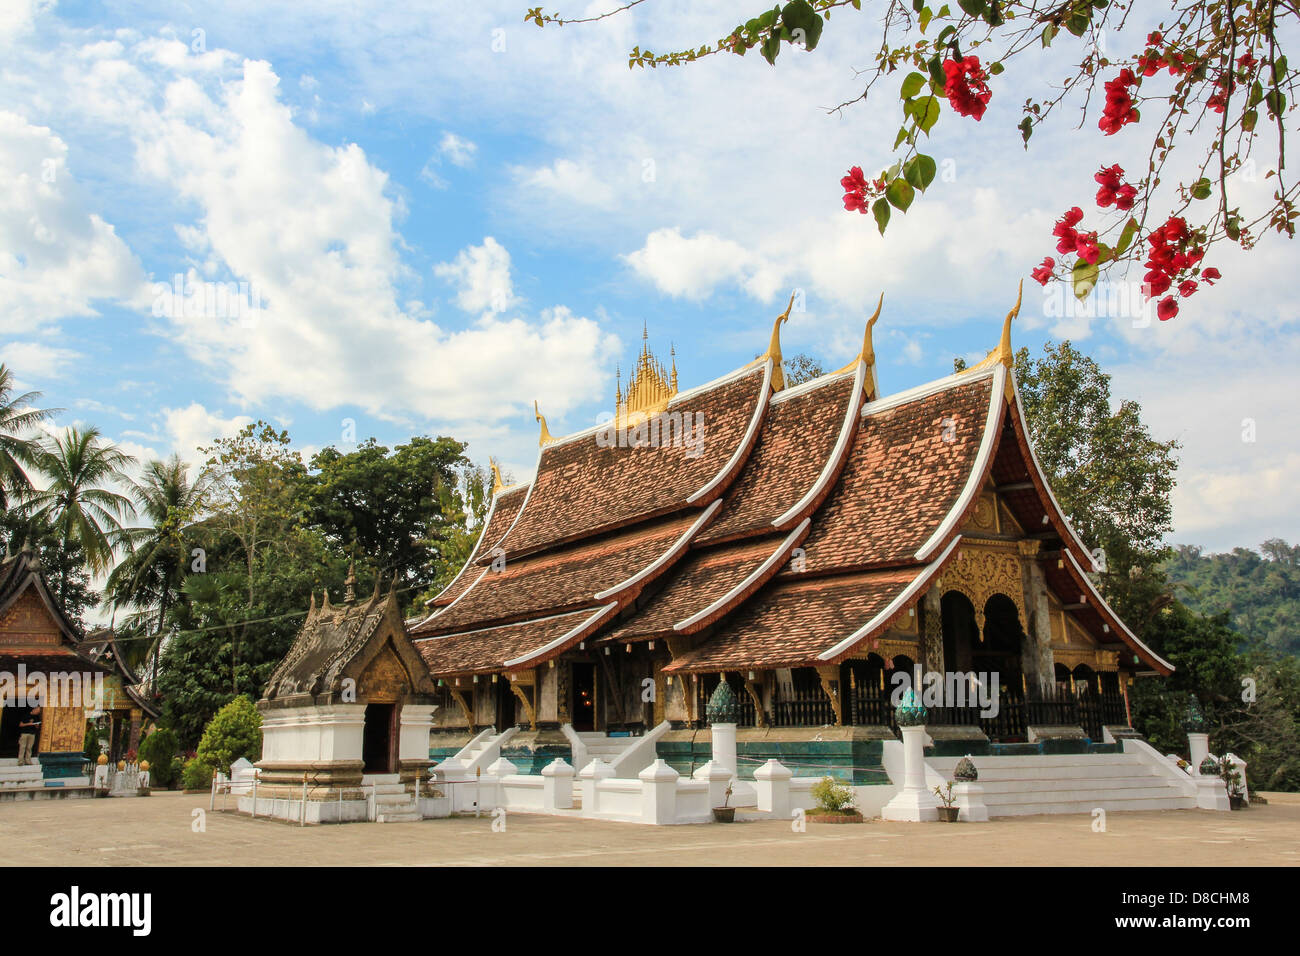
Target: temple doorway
x,y
505,701
583,705
379,739
10,718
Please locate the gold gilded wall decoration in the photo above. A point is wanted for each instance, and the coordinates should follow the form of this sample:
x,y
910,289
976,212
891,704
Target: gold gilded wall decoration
x,y
980,573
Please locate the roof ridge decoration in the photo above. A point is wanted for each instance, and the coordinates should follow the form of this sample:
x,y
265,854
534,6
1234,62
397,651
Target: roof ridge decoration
x,y
545,438
650,387
1002,354
774,348
498,485
867,355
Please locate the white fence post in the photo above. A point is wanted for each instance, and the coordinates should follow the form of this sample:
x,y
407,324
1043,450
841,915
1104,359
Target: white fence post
x,y
557,785
658,793
772,782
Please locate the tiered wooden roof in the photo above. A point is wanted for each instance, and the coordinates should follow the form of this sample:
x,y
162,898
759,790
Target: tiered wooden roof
x,y
805,523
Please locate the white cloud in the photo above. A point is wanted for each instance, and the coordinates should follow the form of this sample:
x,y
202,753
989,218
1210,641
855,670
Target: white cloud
x,y
458,150
481,277
56,258
568,181
190,428
694,267
31,361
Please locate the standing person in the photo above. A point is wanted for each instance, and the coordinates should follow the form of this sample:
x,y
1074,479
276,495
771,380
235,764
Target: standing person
x,y
31,729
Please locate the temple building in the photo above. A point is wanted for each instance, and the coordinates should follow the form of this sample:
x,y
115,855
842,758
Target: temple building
x,y
43,662
807,544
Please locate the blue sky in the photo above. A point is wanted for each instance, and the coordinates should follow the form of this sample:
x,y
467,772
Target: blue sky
x,y
448,213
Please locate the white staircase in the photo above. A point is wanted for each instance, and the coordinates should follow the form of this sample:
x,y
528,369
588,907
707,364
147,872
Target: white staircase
x,y
14,777
481,751
1069,783
603,746
393,802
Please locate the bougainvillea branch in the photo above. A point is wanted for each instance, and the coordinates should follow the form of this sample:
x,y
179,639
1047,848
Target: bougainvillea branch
x,y
1211,76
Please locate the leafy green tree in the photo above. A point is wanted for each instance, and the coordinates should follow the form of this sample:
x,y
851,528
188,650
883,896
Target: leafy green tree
x,y
1112,478
160,749
802,368
254,493
235,731
1260,592
387,508
78,502
199,667
17,447
150,576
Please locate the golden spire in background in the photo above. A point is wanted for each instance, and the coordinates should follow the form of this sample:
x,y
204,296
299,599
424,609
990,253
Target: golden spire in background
x,y
649,388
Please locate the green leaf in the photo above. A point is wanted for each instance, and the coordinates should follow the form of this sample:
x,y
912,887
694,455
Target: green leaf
x,y
1084,277
880,209
926,16
920,171
995,69
902,135
1027,128
937,75
973,7
900,194
1077,24
1249,119
1201,188
771,49
912,84
1049,33
1275,101
1256,94
799,15
926,112
1126,236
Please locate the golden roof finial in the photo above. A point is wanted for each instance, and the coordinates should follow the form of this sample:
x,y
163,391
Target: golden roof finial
x,y
545,438
649,386
672,350
868,353
497,483
774,348
1003,355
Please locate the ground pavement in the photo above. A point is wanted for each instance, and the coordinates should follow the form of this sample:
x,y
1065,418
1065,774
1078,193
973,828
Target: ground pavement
x,y
158,830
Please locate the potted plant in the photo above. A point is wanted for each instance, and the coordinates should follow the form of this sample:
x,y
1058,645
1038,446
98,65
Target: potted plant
x,y
724,813
1232,780
948,812
834,803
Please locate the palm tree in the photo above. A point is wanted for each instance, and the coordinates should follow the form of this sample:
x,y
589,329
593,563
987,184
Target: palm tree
x,y
75,503
152,573
16,418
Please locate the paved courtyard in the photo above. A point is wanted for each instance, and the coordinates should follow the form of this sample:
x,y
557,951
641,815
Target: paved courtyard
x,y
158,830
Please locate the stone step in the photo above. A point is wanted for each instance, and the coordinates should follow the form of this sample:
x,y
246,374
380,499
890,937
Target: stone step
x,y
1039,760
1093,796
1056,784
1030,774
1087,806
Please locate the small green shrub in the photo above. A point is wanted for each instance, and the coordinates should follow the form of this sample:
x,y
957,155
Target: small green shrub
x,y
235,731
160,748
90,746
832,797
197,775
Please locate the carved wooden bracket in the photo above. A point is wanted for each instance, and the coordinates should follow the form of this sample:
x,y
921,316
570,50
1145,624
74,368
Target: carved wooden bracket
x,y
831,673
528,704
459,698
760,716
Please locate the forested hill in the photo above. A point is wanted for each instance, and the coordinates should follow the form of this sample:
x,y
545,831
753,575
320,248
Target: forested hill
x,y
1260,590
